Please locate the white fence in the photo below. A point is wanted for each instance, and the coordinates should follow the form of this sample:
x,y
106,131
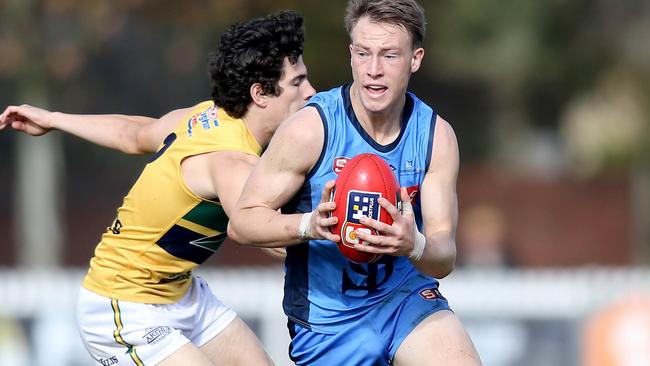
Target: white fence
x,y
514,316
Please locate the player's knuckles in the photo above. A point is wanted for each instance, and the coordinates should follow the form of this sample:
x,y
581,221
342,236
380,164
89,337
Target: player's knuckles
x,y
332,237
326,206
364,236
327,222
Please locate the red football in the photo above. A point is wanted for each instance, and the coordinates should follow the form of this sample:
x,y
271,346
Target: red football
x,y
360,183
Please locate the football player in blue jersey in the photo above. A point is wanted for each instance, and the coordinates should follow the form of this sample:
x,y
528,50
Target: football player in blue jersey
x,y
390,311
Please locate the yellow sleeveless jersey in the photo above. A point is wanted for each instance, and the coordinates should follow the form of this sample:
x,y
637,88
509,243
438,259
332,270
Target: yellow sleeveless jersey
x,y
163,230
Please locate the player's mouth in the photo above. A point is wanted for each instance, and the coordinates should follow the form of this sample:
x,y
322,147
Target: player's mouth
x,y
375,90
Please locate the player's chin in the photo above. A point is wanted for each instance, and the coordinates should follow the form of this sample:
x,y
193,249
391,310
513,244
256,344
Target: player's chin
x,y
380,103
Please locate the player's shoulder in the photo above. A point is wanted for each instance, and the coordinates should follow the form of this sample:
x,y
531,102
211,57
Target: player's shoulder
x,y
183,114
444,129
305,123
210,128
202,106
328,97
445,145
210,121
299,139
424,111
229,159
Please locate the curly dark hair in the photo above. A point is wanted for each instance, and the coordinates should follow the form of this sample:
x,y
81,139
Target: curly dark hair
x,y
253,52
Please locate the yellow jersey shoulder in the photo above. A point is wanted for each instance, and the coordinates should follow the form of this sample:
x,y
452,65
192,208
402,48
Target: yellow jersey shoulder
x,y
210,125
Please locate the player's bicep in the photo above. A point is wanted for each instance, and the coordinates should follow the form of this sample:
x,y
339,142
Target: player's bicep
x,y
229,171
293,151
438,192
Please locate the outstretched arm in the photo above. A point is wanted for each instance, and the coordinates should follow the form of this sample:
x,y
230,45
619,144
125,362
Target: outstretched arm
x,y
293,151
129,134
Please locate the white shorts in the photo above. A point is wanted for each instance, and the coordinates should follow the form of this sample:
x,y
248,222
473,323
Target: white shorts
x,y
117,332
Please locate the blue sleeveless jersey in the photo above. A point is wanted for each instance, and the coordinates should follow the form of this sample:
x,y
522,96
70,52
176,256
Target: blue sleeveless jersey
x,y
323,290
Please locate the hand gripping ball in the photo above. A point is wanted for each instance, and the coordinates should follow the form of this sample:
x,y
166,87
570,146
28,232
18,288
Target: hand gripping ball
x,y
360,183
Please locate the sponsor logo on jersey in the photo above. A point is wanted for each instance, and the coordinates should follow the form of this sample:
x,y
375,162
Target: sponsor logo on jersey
x,y
157,334
177,277
205,119
361,204
430,293
191,123
108,361
339,163
408,167
116,227
212,114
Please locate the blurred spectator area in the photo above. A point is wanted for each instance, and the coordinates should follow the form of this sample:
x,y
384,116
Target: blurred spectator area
x,y
544,221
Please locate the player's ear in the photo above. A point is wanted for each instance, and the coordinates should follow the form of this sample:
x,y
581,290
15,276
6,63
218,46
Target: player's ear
x,y
258,96
416,60
351,51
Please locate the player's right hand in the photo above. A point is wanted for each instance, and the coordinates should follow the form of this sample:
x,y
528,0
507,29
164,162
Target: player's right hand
x,y
26,118
321,219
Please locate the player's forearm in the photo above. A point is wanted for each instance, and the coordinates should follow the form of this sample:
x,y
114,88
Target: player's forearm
x,y
119,132
439,255
279,253
264,228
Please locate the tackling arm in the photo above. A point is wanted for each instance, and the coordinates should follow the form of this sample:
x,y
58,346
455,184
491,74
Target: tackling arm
x,y
221,176
293,151
129,134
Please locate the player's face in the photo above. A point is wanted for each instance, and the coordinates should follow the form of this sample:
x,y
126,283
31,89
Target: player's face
x,y
296,90
382,59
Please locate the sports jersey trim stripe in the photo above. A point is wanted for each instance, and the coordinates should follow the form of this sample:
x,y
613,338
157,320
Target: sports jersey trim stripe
x,y
206,214
197,228
432,129
182,243
117,317
323,120
295,305
352,117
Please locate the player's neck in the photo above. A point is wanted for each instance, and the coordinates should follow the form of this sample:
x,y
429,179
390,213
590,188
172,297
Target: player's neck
x,y
260,129
383,126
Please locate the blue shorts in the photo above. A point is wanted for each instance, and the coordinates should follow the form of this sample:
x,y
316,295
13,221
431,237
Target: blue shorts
x,y
371,341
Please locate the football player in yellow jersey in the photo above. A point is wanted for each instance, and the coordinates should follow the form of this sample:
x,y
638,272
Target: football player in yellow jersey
x,y
139,303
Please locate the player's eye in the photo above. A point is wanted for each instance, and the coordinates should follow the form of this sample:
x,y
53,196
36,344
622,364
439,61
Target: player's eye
x,y
298,81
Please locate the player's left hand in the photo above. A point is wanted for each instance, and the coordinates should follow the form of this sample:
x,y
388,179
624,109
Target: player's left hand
x,y
397,239
321,219
31,120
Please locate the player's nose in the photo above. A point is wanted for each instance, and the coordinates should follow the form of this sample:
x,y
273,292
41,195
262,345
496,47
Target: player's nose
x,y
309,90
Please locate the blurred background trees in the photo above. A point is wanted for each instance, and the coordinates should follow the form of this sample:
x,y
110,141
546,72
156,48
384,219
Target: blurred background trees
x,y
549,101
